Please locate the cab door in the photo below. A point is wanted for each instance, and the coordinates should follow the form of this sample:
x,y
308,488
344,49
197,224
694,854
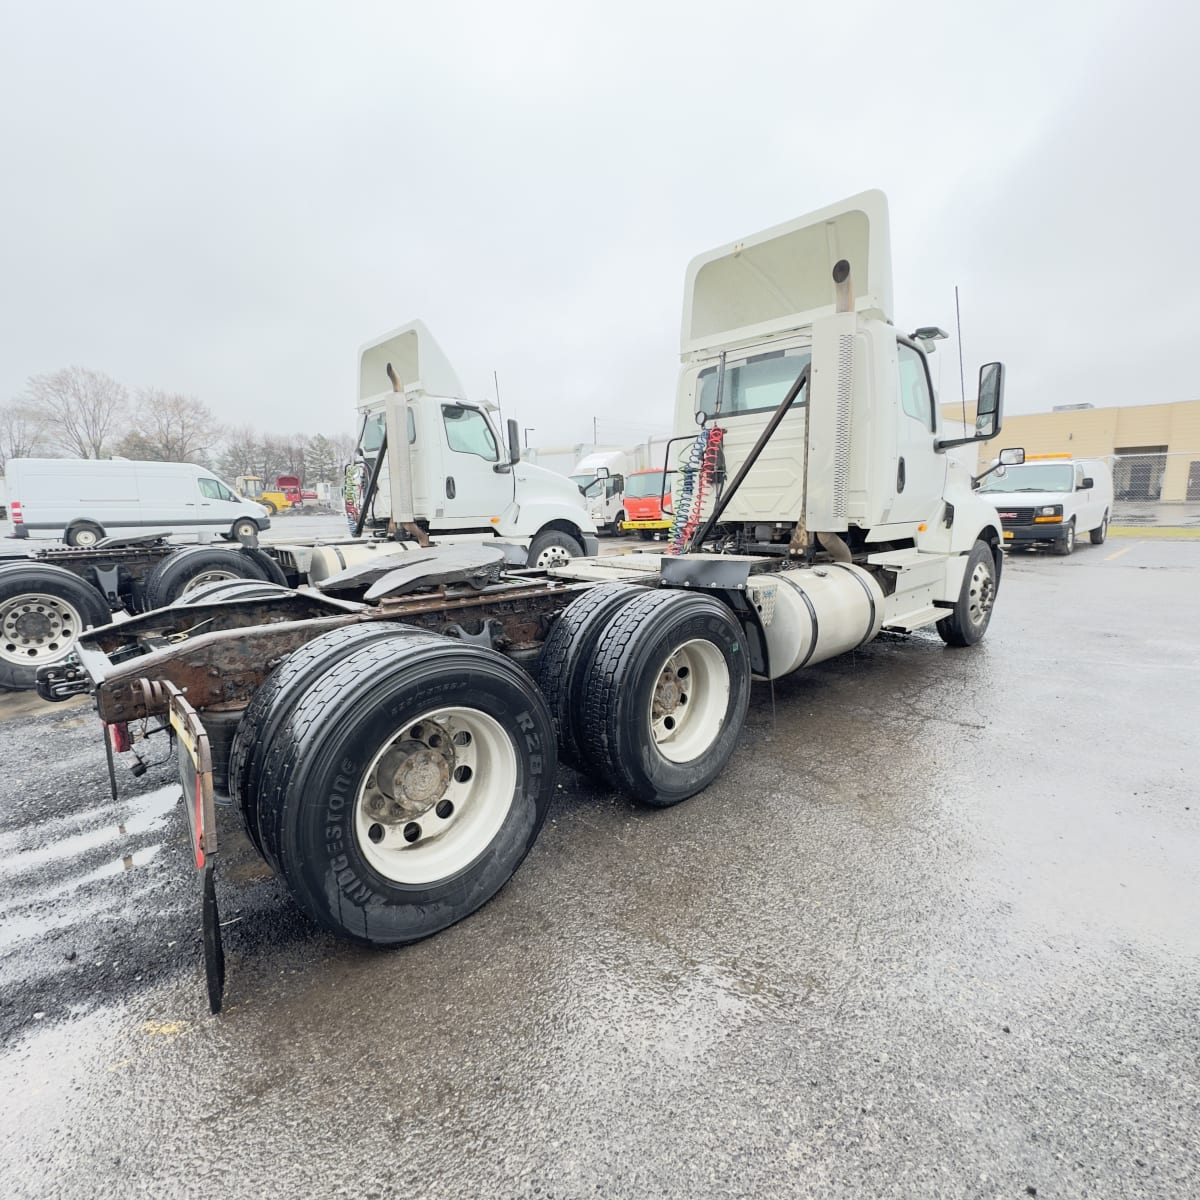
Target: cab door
x,y
920,470
470,492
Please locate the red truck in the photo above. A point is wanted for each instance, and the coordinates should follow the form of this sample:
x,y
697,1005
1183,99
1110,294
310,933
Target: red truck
x,y
289,485
645,494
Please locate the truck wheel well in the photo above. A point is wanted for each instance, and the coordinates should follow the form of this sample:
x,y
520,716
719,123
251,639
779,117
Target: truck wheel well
x,y
566,527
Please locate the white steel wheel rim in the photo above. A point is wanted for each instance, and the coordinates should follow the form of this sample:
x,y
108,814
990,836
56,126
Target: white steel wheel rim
x,y
689,700
207,577
1070,536
435,795
553,556
85,537
36,628
981,594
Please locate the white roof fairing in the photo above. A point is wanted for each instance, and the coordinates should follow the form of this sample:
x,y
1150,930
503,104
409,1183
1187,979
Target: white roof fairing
x,y
417,360
782,278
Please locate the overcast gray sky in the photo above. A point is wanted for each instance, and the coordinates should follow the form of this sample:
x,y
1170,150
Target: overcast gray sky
x,y
227,199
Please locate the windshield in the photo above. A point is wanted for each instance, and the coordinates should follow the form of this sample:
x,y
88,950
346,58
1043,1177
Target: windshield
x,y
638,487
752,384
1032,477
587,484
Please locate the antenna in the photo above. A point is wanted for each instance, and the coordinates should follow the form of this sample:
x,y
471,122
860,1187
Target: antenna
x,y
499,410
962,379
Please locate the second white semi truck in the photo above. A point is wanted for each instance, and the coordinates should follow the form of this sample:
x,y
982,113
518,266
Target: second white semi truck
x,y
390,738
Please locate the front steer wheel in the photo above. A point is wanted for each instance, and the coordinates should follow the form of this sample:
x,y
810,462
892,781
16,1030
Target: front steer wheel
x,y
553,548
406,786
968,620
665,696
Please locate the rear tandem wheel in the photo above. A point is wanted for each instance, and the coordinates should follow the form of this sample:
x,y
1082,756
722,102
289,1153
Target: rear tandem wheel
x,y
404,787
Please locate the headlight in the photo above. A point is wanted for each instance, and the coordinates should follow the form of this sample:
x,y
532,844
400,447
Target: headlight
x,y
1050,510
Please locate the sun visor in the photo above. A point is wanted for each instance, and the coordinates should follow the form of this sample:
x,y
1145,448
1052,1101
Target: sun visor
x,y
415,357
781,279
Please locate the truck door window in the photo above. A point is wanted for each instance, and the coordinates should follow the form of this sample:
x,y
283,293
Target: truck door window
x,y
1079,476
915,396
467,432
754,384
210,489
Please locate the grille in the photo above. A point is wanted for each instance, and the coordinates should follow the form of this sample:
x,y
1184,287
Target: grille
x,y
1015,516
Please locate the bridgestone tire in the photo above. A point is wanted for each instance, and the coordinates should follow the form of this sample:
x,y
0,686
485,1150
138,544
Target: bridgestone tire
x,y
566,655
83,534
620,689
272,704
53,637
972,613
1098,534
311,790
552,548
167,582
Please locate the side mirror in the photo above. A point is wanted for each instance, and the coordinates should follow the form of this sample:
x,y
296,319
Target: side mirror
x,y
1012,457
602,472
1088,482
989,409
514,443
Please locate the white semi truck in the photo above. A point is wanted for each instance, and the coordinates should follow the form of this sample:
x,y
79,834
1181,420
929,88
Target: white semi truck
x,y
390,738
450,475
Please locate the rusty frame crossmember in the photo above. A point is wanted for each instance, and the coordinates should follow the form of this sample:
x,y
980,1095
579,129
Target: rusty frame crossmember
x,y
220,654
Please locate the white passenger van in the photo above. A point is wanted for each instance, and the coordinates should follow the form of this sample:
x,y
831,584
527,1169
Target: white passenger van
x,y
81,501
1051,499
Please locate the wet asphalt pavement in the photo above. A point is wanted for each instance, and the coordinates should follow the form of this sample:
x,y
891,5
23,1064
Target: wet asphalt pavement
x,y
933,933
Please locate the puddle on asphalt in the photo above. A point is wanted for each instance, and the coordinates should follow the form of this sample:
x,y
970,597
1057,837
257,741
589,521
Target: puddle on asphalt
x,y
138,815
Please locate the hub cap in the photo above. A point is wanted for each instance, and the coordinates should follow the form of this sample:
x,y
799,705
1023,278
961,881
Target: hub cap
x,y
553,556
435,795
37,629
689,701
207,577
981,594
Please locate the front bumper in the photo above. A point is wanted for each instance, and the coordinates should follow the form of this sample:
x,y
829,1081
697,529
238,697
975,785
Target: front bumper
x,y
262,523
1027,534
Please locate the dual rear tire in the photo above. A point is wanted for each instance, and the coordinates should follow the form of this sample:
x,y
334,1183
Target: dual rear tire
x,y
393,778
396,779
649,689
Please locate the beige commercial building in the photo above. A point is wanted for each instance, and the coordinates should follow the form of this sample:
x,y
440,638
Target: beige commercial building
x,y
1154,449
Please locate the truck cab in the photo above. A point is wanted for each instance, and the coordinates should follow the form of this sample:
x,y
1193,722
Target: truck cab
x,y
445,468
600,476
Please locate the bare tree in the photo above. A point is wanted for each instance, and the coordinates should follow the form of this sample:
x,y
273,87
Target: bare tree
x,y
79,407
241,453
169,427
22,433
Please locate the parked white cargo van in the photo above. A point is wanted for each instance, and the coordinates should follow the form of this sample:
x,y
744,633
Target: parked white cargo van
x,y
80,501
1052,499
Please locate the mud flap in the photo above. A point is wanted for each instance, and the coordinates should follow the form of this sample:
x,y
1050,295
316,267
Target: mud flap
x,y
195,774
214,952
